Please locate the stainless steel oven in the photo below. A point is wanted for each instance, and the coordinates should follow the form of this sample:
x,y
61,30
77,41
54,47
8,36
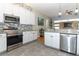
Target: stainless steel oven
x,y
14,37
14,41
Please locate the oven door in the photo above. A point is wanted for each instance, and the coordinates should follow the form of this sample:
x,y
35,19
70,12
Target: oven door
x,y
14,39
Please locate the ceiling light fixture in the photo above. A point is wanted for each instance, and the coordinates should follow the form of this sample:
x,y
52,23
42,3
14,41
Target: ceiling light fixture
x,y
69,12
76,10
59,13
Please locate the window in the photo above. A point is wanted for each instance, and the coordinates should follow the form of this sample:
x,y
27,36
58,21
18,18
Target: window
x,y
40,21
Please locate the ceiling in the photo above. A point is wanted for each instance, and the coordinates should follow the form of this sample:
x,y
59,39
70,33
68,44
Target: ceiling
x,y
52,9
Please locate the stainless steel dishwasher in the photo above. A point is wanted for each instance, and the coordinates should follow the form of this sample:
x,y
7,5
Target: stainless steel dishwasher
x,y
68,43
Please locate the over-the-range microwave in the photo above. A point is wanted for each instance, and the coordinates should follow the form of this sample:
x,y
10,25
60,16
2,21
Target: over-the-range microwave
x,y
11,18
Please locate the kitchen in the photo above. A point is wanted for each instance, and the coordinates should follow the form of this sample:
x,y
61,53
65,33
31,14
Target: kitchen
x,y
21,24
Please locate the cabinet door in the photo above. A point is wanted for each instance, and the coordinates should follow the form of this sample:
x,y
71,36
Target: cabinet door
x,y
23,16
77,44
34,35
25,37
32,18
28,17
3,42
52,40
48,40
2,12
56,40
17,10
8,9
31,36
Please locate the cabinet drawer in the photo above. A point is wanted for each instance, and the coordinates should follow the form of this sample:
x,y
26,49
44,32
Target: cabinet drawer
x,y
53,34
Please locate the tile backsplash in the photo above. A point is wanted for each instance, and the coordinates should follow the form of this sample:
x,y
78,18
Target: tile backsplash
x,y
25,27
1,25
21,27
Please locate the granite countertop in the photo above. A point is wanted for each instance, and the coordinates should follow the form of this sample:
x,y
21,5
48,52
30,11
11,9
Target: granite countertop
x,y
64,32
69,33
28,30
2,32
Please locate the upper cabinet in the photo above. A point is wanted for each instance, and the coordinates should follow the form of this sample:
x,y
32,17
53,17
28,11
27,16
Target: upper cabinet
x,y
26,16
22,14
32,18
2,8
8,9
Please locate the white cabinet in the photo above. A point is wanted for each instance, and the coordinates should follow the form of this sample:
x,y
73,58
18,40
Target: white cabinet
x,y
35,35
23,17
29,36
26,16
3,42
8,9
2,8
32,18
52,39
77,44
25,37
17,11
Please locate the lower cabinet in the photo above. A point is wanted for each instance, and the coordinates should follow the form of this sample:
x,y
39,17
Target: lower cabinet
x,y
52,39
3,43
29,36
77,44
35,35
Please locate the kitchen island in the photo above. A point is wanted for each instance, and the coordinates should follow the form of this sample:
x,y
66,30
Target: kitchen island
x,y
53,39
3,42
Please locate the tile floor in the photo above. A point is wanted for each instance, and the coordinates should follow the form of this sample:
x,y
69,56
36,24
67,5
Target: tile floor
x,y
35,49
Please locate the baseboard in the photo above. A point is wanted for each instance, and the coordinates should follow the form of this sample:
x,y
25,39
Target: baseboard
x,y
30,42
51,47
